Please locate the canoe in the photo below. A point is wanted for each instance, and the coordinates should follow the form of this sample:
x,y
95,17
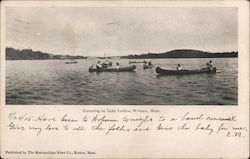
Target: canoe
x,y
130,62
184,72
122,69
147,66
70,62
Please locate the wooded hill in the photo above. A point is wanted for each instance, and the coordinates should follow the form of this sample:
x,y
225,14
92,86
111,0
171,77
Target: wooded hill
x,y
184,53
28,54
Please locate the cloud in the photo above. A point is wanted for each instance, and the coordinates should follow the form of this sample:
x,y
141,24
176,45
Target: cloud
x,y
121,31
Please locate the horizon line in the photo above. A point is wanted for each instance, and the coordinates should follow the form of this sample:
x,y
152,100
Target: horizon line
x,y
119,55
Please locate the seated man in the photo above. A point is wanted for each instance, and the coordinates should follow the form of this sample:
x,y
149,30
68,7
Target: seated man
x,y
110,63
210,65
179,68
149,63
98,65
117,65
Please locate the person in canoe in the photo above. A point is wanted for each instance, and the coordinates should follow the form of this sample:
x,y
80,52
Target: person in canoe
x,y
117,65
179,68
99,65
110,63
210,65
150,63
105,64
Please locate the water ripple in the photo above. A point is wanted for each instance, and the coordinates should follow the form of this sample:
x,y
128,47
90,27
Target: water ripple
x,y
53,82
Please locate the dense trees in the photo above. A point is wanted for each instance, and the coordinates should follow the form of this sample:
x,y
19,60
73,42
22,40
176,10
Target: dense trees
x,y
184,53
28,54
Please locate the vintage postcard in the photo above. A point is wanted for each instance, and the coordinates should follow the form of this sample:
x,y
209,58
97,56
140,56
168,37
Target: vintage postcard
x,y
124,79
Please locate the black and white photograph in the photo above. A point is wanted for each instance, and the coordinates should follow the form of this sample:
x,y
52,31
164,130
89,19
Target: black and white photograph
x,y
121,56
124,79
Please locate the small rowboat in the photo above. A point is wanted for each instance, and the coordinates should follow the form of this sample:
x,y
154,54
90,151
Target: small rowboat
x,y
71,62
147,66
184,72
123,69
130,62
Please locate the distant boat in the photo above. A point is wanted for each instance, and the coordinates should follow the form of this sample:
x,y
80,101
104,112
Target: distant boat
x,y
72,61
104,57
137,62
147,66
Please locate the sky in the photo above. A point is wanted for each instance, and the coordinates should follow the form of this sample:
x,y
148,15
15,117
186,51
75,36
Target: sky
x,y
121,31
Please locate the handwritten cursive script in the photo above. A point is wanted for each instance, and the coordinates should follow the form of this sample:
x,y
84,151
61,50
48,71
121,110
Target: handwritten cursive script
x,y
128,121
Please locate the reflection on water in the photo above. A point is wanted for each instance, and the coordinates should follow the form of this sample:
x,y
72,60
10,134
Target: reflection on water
x,y
54,82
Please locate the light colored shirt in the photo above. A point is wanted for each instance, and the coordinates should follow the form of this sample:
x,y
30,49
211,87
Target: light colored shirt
x,y
98,65
179,68
209,65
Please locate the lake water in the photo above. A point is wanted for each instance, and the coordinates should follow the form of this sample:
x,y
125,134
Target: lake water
x,y
53,82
